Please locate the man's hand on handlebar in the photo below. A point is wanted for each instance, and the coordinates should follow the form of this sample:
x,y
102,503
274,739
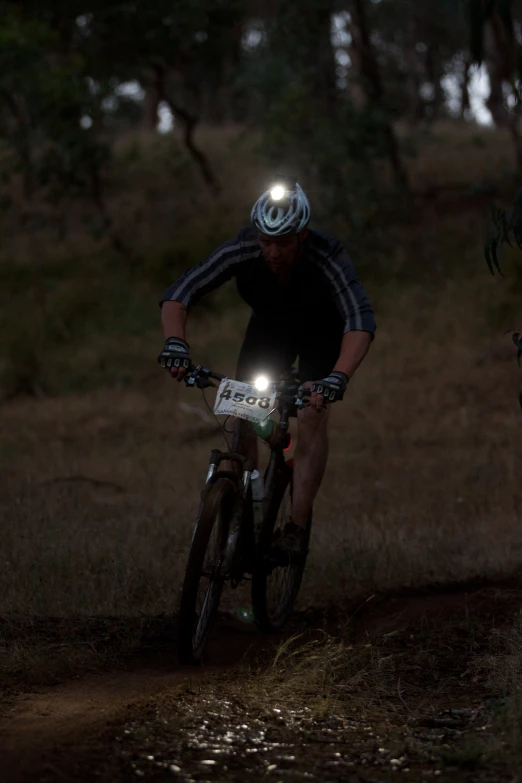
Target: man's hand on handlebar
x,y
330,389
175,357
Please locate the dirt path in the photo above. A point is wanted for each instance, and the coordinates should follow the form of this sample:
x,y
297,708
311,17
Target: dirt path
x,y
399,697
71,711
39,729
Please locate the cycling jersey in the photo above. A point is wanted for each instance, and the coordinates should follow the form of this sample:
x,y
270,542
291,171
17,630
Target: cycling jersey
x,y
324,290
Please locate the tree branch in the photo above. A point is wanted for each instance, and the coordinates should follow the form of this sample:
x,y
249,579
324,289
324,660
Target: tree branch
x,y
190,122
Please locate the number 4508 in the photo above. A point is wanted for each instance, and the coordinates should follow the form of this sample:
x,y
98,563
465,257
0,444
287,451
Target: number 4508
x,y
263,402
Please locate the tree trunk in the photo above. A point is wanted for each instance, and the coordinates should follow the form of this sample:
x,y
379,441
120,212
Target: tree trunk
x,y
495,101
500,48
151,106
464,90
517,142
413,68
373,87
325,81
433,74
415,109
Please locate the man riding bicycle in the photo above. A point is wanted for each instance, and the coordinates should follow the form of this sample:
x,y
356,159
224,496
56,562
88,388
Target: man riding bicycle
x,y
306,302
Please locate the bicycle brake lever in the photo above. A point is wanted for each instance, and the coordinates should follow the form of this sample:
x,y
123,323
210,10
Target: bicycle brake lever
x,y
303,392
193,378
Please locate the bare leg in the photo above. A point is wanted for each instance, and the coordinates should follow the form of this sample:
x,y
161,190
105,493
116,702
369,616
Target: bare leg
x,y
311,456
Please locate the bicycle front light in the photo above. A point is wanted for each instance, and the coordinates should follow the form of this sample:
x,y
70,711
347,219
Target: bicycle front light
x,y
261,383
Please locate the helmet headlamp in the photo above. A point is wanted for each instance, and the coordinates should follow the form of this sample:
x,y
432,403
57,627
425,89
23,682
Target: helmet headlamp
x,y
277,192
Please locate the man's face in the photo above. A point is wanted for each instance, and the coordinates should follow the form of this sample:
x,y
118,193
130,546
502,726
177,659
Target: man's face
x,y
281,253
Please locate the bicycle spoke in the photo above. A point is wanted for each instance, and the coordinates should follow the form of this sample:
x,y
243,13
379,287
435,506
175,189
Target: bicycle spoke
x,y
209,579
275,587
204,577
279,581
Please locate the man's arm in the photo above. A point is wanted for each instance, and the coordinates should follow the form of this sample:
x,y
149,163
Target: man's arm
x,y
354,347
174,320
175,356
348,293
212,272
359,323
184,292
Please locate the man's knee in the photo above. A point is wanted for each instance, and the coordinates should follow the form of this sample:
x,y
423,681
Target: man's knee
x,y
312,424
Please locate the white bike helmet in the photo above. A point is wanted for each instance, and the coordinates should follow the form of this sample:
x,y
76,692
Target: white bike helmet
x,y
284,209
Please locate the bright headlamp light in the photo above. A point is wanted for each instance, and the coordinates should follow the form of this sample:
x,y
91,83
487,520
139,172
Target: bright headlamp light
x,y
277,193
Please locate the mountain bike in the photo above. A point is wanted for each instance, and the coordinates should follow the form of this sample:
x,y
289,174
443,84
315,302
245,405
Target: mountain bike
x,y
228,545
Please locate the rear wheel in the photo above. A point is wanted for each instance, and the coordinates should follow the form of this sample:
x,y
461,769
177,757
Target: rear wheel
x,y
275,586
205,575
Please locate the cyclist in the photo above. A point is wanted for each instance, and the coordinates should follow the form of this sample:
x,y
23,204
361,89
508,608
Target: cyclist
x,y
306,302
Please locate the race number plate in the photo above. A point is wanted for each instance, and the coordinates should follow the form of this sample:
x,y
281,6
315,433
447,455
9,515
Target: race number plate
x,y
243,401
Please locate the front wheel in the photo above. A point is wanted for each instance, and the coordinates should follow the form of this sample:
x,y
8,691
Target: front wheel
x,y
275,586
204,576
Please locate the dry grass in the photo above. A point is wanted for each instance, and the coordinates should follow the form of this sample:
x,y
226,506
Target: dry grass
x,y
394,690
422,484
453,153
503,668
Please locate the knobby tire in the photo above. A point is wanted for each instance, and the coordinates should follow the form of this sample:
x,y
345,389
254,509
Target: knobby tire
x,y
204,577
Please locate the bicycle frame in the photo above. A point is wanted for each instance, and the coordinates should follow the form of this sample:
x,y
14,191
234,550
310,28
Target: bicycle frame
x,y
242,518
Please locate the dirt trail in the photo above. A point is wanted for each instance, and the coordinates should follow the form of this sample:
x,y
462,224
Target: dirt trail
x,y
70,711
160,722
38,728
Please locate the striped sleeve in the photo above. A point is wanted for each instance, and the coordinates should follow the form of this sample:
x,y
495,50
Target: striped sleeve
x,y
210,273
350,296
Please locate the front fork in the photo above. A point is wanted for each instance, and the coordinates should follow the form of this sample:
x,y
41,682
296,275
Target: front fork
x,y
242,484
247,474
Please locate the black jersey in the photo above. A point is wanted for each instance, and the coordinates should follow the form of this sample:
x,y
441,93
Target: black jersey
x,y
324,285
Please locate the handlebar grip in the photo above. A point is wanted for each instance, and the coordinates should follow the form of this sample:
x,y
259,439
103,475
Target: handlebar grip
x,y
204,372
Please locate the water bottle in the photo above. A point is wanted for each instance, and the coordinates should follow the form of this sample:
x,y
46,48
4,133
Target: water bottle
x,y
258,493
267,431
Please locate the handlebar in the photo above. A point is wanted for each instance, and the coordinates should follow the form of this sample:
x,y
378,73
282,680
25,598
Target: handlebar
x,y
289,391
201,377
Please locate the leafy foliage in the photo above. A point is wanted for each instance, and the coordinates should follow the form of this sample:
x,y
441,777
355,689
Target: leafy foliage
x,y
44,99
338,162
